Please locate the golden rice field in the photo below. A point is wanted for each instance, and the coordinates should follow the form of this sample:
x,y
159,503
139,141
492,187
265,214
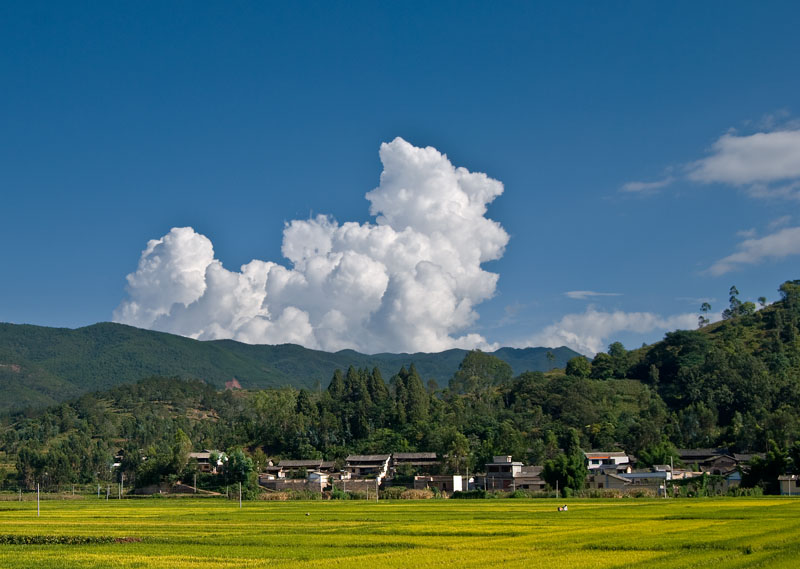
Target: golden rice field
x,y
485,534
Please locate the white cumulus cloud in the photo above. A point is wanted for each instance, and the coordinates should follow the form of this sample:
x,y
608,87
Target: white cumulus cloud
x,y
590,332
777,245
408,282
757,158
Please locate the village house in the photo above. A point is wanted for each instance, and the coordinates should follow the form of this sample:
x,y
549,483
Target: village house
x,y
713,461
422,462
447,484
621,469
621,476
503,473
376,465
597,459
529,478
743,459
298,468
606,480
209,461
318,481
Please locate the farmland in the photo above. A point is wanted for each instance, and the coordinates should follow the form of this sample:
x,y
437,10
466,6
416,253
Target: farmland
x,y
177,533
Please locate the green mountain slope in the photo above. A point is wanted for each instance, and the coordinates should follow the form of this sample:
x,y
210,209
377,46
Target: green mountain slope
x,y
41,366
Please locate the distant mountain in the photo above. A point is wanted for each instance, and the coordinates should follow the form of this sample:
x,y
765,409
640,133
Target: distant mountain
x,y
41,366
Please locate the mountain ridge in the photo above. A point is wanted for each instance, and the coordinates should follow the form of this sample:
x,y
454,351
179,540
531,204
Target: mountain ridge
x,y
41,365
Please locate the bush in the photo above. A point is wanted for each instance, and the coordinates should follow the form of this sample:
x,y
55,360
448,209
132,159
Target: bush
x,y
277,496
740,491
393,493
530,494
469,495
339,494
416,495
304,495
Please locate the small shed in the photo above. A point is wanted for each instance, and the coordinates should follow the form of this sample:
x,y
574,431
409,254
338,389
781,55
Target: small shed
x,y
789,484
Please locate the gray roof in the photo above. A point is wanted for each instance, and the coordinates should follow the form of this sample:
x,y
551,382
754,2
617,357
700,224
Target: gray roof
x,y
614,467
611,476
747,457
368,458
305,463
701,452
414,456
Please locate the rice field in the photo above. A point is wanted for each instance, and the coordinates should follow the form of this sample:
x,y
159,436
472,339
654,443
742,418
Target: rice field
x,y
182,533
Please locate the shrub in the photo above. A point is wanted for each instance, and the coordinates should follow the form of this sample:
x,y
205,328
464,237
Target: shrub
x,y
393,492
530,494
304,495
278,496
469,495
339,494
739,491
417,495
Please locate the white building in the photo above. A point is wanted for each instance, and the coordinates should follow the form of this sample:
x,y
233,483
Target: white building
x,y
595,460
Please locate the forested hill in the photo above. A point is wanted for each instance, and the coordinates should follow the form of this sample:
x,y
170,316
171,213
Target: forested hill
x,y
734,385
41,366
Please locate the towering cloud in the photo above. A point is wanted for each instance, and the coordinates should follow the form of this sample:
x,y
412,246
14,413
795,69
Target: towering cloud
x,y
408,282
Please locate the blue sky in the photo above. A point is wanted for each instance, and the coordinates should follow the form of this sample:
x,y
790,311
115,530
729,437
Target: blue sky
x,y
647,151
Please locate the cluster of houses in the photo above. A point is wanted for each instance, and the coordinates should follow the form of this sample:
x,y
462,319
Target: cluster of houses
x,y
612,470
607,471
615,470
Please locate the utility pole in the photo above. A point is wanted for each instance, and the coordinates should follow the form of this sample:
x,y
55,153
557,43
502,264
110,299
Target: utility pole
x,y
671,470
240,495
376,489
37,499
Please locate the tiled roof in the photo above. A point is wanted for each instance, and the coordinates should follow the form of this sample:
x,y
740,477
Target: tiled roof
x,y
414,456
368,458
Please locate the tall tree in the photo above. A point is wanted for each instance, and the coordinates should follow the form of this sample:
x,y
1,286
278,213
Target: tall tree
x,y
478,371
567,470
